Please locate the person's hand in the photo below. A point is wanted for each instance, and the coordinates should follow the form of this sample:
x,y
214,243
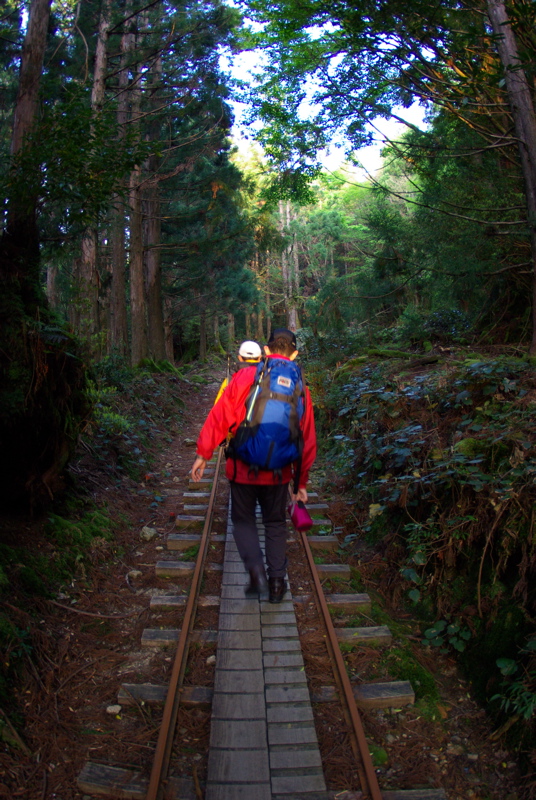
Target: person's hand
x,y
198,468
302,495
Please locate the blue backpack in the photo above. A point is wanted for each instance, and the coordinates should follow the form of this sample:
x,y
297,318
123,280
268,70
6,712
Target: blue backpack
x,y
270,436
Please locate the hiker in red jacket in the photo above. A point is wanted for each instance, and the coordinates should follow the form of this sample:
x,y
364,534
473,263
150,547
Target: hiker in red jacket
x,y
250,485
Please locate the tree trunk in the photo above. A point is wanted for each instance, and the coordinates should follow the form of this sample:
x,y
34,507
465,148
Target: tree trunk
x,y
168,329
296,284
284,253
118,298
138,307
155,309
88,283
138,319
216,328
20,240
118,304
267,300
87,289
202,334
33,52
231,340
42,380
53,295
522,107
287,270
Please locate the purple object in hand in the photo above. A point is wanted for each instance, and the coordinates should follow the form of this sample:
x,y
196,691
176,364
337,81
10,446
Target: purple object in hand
x,y
299,516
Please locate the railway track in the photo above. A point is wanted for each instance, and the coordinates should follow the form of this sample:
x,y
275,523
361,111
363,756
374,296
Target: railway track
x,y
263,740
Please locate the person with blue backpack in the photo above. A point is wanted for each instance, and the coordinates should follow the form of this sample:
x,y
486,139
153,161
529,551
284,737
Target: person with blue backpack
x,y
268,410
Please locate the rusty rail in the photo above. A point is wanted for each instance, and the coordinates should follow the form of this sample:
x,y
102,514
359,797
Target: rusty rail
x,y
372,788
171,708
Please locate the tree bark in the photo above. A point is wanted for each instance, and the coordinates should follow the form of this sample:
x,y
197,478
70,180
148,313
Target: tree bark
x,y
88,278
138,318
42,379
202,334
522,107
20,240
155,309
118,303
260,331
138,303
231,335
53,295
168,329
287,268
33,53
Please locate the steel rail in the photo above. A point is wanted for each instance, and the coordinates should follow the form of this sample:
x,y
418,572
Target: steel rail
x,y
371,779
171,708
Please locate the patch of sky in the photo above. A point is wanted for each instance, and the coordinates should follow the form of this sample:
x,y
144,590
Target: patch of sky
x,y
245,67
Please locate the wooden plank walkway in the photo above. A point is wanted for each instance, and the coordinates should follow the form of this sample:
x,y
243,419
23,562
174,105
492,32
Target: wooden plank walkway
x,y
263,742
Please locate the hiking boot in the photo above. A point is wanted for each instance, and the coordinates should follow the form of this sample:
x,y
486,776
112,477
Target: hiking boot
x,y
258,585
278,587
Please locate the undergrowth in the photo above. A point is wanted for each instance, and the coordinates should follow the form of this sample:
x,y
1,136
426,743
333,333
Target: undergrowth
x,y
132,411
72,546
439,466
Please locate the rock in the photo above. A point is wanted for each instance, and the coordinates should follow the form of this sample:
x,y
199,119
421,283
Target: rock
x,y
455,750
189,442
210,661
114,709
148,534
134,573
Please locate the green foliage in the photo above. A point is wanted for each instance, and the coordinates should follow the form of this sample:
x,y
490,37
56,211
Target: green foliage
x,y
518,689
78,535
445,634
404,666
191,553
150,365
43,401
112,371
15,644
378,754
131,414
75,544
444,462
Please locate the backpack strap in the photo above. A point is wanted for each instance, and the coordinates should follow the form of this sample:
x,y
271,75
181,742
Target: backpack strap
x,y
230,451
297,475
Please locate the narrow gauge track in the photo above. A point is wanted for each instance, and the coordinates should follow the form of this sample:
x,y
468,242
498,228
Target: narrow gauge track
x,y
290,768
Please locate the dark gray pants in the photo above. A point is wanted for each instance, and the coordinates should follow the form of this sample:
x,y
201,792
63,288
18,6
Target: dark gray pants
x,y
273,501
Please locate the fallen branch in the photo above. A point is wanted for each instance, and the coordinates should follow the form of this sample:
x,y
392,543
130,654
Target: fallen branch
x,y
92,614
25,749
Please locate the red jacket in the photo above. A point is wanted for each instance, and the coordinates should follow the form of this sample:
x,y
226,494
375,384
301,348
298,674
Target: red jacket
x,y
229,412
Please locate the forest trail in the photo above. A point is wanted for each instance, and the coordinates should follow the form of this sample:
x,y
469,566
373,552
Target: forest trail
x,y
88,637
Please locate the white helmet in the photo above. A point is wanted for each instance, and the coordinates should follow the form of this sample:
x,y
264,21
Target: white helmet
x,y
249,350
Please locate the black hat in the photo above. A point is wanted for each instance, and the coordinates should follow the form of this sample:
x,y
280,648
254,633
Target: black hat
x,y
283,333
